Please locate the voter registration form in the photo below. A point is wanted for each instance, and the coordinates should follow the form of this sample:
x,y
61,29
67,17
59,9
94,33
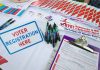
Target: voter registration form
x,y
70,57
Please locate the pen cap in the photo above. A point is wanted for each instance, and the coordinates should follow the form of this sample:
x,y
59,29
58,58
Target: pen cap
x,y
19,1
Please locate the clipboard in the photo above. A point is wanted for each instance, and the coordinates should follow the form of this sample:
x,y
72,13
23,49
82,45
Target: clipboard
x,y
56,59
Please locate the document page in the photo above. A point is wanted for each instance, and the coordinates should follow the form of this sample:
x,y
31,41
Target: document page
x,y
70,57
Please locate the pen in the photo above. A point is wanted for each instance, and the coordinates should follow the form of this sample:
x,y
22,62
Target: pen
x,y
46,36
53,37
7,23
47,26
84,48
49,33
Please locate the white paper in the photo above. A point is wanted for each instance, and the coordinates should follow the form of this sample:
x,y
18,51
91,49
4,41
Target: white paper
x,y
74,58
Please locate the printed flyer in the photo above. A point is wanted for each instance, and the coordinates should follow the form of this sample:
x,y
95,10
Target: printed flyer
x,y
21,37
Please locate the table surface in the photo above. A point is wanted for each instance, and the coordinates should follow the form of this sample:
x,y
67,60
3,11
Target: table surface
x,y
37,56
